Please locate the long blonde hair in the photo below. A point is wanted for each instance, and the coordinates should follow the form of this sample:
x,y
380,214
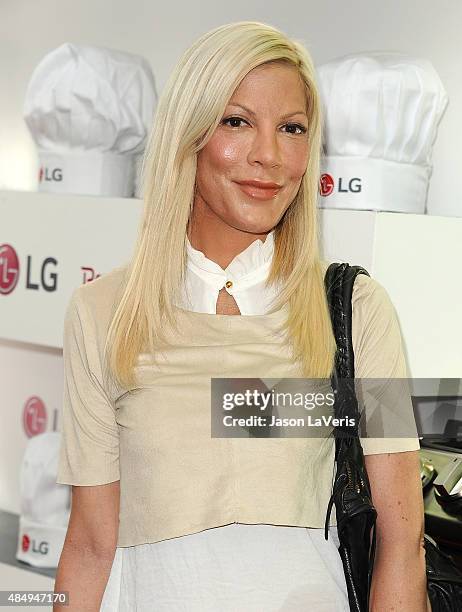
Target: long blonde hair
x,y
189,109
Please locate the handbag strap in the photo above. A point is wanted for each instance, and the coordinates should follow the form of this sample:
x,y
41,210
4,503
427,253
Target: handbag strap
x,y
339,281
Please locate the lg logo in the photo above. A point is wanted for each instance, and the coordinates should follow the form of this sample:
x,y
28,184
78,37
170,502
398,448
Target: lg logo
x,y
9,268
9,272
45,278
50,174
327,185
34,416
37,547
48,280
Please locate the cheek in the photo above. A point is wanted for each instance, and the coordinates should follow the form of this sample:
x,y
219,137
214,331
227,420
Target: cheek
x,y
296,162
221,153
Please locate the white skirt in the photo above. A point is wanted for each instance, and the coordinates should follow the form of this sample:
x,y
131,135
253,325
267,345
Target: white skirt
x,y
233,568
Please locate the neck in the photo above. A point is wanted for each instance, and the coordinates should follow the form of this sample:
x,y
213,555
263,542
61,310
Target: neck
x,y
218,241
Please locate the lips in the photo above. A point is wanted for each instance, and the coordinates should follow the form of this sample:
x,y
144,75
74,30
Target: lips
x,y
259,190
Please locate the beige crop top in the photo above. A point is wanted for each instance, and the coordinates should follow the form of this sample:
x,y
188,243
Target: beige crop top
x,y
175,479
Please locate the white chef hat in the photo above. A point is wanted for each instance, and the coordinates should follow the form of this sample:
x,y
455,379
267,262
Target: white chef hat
x,y
381,113
45,505
89,110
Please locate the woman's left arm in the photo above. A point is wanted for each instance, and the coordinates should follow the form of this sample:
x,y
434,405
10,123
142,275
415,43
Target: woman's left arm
x,y
399,579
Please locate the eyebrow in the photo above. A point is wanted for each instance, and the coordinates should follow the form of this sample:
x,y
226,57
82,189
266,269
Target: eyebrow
x,y
251,112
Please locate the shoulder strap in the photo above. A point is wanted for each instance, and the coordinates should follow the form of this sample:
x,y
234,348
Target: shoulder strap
x,y
339,281
351,474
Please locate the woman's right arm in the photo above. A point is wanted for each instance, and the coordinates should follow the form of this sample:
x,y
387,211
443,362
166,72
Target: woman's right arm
x,y
89,548
89,456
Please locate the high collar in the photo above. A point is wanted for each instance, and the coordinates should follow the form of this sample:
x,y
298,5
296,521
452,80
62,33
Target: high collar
x,y
248,261
247,273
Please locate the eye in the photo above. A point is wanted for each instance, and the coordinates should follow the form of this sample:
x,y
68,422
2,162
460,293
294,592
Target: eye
x,y
237,119
302,128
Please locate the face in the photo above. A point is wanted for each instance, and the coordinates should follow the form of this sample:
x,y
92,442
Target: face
x,y
262,137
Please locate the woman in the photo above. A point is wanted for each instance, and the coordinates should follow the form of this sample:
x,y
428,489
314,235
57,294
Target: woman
x,y
225,281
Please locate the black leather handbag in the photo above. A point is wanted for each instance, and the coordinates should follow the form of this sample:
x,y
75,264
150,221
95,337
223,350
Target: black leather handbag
x,y
351,492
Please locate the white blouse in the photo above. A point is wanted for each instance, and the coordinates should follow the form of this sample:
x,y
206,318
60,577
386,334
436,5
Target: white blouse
x,y
236,567
246,275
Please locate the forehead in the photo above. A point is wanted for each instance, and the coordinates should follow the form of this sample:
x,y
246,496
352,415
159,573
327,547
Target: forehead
x,y
272,84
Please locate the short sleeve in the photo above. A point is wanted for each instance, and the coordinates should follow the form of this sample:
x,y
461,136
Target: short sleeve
x,y
378,350
89,451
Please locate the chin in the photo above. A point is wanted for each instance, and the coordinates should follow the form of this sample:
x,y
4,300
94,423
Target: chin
x,y
257,227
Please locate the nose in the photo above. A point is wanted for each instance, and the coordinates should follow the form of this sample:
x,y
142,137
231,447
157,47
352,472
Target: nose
x,y
265,147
